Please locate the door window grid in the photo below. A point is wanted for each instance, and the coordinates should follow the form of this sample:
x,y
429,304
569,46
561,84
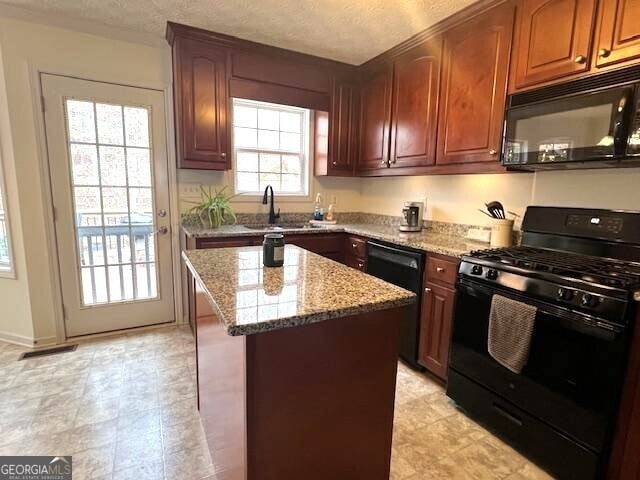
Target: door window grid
x,y
5,249
110,157
270,147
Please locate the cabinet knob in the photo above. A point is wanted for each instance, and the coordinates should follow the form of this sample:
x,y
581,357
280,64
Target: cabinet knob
x,y
360,265
580,59
493,152
334,163
223,155
354,245
604,52
439,269
427,290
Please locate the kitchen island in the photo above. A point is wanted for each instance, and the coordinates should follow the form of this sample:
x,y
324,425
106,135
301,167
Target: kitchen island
x,y
296,365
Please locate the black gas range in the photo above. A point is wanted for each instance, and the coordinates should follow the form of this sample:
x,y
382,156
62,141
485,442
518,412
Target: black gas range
x,y
581,269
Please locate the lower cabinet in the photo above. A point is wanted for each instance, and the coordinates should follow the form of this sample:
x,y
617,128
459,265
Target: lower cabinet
x,y
436,321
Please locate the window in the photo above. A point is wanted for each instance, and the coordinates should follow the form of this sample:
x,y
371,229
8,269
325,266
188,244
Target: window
x,y
270,147
6,267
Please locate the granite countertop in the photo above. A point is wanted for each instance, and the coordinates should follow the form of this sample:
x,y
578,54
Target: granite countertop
x,y
250,298
426,240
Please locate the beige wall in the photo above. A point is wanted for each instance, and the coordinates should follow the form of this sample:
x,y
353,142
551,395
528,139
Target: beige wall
x,y
27,48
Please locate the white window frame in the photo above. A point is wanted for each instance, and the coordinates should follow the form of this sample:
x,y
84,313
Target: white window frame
x,y
305,167
6,272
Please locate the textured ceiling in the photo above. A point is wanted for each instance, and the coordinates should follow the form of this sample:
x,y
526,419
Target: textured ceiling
x,y
352,31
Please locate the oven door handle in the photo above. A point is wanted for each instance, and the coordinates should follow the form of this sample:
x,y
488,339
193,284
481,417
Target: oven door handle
x,y
504,413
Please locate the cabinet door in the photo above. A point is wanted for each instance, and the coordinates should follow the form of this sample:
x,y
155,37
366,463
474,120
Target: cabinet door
x,y
202,106
553,39
436,320
619,33
343,129
416,81
375,117
472,93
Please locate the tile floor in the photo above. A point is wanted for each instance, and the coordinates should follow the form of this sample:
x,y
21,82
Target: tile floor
x,y
124,407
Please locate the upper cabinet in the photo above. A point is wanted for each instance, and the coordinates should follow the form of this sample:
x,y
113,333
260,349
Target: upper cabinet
x,y
416,83
473,89
201,105
553,40
618,36
375,120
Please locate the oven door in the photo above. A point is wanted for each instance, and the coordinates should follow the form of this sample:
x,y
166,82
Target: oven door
x,y
574,372
579,128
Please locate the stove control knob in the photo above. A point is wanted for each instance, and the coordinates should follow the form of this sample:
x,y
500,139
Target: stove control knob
x,y
588,300
492,274
565,294
476,270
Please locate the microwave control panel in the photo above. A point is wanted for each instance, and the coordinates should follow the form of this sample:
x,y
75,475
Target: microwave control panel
x,y
605,225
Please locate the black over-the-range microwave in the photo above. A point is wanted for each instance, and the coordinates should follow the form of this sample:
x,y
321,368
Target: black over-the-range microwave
x,y
587,123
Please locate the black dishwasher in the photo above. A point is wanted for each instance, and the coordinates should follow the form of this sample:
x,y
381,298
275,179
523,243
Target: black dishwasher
x,y
403,268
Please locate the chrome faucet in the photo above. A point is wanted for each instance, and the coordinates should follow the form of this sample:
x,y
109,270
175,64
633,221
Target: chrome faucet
x,y
273,216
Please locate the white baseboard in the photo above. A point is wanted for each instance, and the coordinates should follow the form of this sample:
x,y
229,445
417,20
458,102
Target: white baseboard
x,y
45,341
21,340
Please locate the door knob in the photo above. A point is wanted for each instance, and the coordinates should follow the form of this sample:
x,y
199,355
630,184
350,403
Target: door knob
x,y
580,59
161,231
604,53
162,213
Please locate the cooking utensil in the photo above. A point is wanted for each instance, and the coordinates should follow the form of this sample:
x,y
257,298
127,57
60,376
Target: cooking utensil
x,y
495,209
487,214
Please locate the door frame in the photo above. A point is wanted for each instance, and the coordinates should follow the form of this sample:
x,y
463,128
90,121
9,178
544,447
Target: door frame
x,y
35,77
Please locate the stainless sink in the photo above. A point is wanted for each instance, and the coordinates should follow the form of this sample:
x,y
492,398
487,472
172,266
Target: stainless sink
x,y
281,226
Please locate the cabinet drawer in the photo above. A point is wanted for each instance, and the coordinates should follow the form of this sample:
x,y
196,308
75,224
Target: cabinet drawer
x,y
356,246
316,243
355,262
227,242
441,270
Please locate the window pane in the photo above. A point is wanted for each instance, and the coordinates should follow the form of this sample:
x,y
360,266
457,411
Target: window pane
x,y
269,163
112,166
109,123
80,121
268,119
247,182
291,183
84,164
247,162
268,140
245,116
136,122
139,167
88,206
272,179
245,137
114,199
140,205
290,122
291,164
290,142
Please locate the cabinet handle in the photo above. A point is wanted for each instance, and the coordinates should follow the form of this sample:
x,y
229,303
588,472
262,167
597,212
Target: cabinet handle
x,y
439,269
493,152
427,290
580,59
604,52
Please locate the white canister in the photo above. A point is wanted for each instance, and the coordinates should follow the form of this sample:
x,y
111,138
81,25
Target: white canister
x,y
501,232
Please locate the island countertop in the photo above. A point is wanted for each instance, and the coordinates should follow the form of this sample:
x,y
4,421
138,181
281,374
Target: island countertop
x,y
250,298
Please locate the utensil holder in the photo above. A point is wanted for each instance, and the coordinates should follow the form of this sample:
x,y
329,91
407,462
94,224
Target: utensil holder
x,y
501,232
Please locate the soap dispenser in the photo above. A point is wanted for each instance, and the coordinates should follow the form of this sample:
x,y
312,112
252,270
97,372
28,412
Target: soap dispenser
x,y
318,212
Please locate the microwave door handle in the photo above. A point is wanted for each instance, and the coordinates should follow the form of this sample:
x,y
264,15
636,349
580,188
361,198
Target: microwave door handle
x,y
621,121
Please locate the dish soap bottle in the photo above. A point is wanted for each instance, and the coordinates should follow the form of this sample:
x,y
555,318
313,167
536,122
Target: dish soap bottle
x,y
318,212
330,215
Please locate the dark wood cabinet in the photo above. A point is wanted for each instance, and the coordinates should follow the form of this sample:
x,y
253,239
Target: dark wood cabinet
x,y
552,40
436,322
618,36
416,84
201,101
375,119
474,79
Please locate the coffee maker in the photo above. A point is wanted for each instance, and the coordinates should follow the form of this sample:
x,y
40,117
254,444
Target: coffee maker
x,y
411,217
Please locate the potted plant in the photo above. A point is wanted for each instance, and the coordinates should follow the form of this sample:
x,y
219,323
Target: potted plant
x,y
214,207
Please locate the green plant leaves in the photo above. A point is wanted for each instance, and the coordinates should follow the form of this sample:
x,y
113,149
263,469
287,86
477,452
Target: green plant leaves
x,y
214,207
